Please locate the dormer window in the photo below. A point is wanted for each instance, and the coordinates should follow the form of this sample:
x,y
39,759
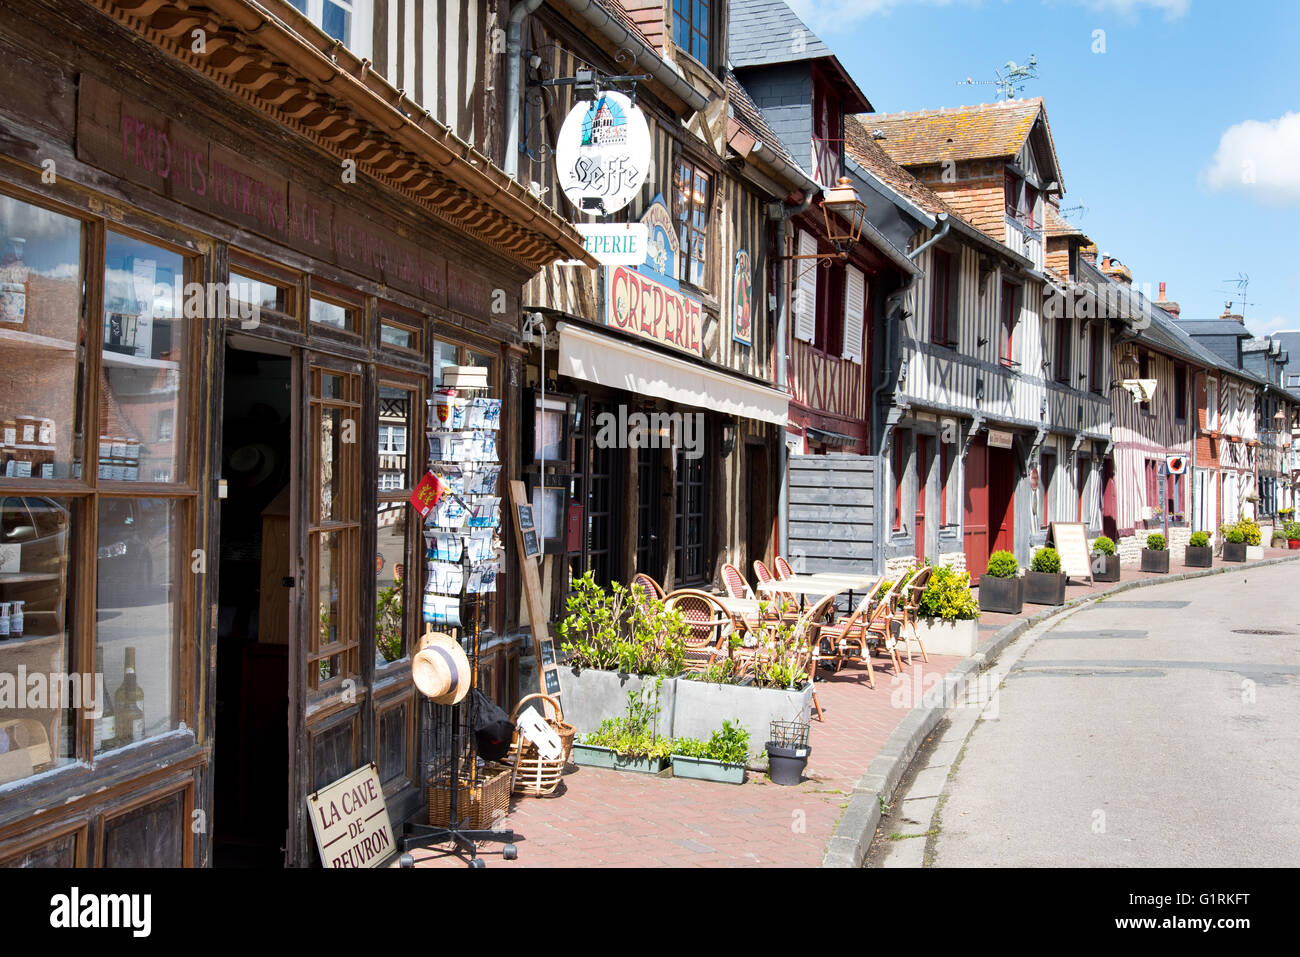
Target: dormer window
x,y
692,27
1023,201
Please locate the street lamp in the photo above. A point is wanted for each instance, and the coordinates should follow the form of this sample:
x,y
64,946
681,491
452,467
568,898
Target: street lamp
x,y
845,214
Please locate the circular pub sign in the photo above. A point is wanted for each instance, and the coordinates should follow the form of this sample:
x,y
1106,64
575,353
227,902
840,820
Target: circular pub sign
x,y
603,154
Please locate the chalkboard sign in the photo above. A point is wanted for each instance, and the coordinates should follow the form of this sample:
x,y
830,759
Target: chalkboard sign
x,y
532,547
548,653
1070,540
552,681
526,516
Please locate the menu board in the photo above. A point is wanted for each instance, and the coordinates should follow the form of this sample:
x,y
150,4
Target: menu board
x,y
1070,539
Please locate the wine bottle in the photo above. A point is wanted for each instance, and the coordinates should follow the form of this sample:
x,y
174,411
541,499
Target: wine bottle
x,y
128,704
105,725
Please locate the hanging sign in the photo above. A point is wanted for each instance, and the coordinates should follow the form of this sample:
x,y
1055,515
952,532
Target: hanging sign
x,y
742,300
613,244
351,822
1176,464
603,154
1000,440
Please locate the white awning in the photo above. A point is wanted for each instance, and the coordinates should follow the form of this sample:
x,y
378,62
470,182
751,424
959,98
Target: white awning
x,y
619,364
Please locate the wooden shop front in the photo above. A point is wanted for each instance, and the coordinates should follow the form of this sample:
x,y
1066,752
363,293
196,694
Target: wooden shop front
x,y
215,350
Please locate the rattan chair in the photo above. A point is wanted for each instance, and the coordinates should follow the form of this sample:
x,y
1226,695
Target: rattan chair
x,y
851,639
709,622
906,612
652,588
803,638
734,582
783,569
780,600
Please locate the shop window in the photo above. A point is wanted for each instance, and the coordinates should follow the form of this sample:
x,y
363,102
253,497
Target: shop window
x,y
398,406
693,199
138,568
41,343
692,530
692,28
399,329
144,368
328,313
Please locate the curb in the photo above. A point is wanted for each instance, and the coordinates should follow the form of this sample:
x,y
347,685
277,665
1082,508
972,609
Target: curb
x,y
857,825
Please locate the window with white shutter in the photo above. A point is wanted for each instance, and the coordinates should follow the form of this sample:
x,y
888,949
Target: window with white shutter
x,y
805,291
855,292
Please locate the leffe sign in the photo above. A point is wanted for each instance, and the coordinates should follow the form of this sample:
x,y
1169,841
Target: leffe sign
x,y
603,153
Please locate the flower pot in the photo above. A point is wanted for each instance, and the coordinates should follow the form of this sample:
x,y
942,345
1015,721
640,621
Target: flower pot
x,y
941,637
1293,543
1155,561
785,765
1045,588
706,769
1254,553
1105,568
593,756
697,705
1198,557
1003,595
1234,552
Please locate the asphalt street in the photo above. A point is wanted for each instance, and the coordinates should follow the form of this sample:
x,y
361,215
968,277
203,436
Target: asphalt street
x,y
1150,729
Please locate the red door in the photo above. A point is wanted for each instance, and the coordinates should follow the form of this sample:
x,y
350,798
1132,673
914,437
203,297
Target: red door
x,y
1109,522
1002,494
975,509
922,480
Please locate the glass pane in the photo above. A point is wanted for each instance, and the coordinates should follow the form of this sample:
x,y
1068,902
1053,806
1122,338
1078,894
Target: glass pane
x,y
139,552
141,424
40,342
395,406
37,721
444,354
329,463
390,582
264,295
337,22
329,558
331,386
396,336
332,314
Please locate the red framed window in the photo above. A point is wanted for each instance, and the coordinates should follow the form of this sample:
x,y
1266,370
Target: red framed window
x,y
1011,194
1010,312
896,468
1095,358
1061,361
1031,206
941,295
829,334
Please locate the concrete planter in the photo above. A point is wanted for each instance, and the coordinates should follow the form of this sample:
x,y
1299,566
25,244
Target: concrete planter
x,y
1045,588
940,637
592,756
590,697
1105,568
1202,557
700,707
1254,553
1234,552
1001,594
705,769
1155,561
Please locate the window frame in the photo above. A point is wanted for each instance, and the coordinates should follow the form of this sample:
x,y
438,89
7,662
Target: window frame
x,y
683,221
1061,353
943,279
1009,317
710,26
828,326
1096,359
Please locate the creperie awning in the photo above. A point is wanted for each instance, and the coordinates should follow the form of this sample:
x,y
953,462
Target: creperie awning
x,y
618,364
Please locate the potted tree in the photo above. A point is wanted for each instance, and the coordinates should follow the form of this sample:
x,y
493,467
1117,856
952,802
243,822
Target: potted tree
x,y
1155,557
722,758
1000,586
1044,583
1234,544
1105,563
1198,553
947,616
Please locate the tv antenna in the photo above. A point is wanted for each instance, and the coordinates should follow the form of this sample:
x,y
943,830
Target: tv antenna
x,y
1010,79
1242,283
1070,212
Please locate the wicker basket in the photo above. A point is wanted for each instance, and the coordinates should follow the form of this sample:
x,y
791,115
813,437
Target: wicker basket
x,y
534,775
482,804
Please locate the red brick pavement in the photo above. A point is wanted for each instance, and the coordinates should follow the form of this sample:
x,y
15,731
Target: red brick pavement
x,y
603,818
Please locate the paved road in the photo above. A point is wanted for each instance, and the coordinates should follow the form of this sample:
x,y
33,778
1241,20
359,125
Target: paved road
x,y
1143,730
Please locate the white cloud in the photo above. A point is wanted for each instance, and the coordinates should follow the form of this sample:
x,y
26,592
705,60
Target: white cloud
x,y
1267,327
830,17
1259,159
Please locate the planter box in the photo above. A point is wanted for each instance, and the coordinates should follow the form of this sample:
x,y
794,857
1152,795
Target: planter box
x,y
1234,552
1001,594
1293,543
590,697
1105,568
1155,561
940,637
701,707
1045,588
1254,553
592,756
1195,557
705,769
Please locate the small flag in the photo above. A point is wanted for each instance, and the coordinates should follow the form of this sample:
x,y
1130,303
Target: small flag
x,y
428,493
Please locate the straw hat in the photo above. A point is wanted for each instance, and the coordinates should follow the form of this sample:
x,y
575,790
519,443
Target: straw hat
x,y
440,669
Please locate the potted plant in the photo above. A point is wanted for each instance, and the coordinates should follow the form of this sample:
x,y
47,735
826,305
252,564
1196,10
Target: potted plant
x,y
1292,530
722,758
1155,557
630,742
787,752
947,616
1252,536
1000,586
1234,544
1044,583
1105,563
1198,553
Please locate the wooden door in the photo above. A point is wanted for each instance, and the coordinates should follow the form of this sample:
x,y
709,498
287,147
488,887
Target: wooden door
x,y
1109,520
975,509
922,481
1002,488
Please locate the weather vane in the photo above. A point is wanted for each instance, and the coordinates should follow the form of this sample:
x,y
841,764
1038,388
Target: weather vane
x,y
1010,80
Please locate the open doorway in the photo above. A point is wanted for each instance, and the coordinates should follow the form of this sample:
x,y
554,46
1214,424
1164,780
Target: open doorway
x,y
251,763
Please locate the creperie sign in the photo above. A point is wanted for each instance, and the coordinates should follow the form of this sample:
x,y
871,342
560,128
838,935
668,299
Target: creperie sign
x,y
640,305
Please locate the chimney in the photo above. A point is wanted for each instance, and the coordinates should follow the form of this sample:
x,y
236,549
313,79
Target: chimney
x,y
1168,305
1089,253
1229,314
1117,271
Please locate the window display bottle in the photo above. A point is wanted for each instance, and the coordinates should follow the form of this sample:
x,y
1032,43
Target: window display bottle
x,y
105,725
128,703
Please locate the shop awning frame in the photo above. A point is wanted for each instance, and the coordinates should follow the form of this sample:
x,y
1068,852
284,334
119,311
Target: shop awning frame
x,y
621,364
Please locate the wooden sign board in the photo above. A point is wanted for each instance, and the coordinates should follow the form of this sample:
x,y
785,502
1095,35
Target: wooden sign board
x,y
532,585
1070,540
532,546
548,653
351,822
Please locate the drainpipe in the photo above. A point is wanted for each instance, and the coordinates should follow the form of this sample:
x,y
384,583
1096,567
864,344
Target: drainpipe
x,y
781,214
1196,429
514,66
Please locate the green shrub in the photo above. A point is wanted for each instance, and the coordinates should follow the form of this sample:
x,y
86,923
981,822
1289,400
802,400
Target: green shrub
x,y
947,595
1199,540
1293,529
1103,546
729,744
1235,536
1047,561
635,734
1250,531
622,630
1002,564
1156,542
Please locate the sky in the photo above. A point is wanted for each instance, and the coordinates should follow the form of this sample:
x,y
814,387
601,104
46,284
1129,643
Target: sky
x,y
1176,122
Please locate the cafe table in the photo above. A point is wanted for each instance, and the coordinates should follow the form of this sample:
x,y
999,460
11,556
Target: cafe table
x,y
818,584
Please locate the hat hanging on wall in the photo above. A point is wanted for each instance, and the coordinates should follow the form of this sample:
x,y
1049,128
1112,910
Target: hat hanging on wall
x,y
440,669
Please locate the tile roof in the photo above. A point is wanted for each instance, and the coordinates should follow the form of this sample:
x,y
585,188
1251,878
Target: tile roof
x,y
869,154
1213,327
616,9
983,131
768,31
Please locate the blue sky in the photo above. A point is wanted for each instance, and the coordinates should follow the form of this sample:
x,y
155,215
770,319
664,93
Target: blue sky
x,y
1181,139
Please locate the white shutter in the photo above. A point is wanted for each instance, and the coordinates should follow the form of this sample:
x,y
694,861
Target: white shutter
x,y
805,291
854,295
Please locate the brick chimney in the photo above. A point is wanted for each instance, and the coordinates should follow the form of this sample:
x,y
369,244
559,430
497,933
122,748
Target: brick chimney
x,y
1229,314
1168,305
1117,271
1089,253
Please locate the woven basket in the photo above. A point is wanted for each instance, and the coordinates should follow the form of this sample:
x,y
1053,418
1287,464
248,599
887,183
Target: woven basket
x,y
482,804
534,775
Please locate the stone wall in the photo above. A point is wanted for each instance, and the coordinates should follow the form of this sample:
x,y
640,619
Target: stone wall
x,y
1129,548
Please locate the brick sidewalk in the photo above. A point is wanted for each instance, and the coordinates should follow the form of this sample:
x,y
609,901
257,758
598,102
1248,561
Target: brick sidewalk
x,y
605,818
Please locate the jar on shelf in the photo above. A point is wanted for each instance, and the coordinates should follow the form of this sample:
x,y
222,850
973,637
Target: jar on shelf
x,y
45,432
28,428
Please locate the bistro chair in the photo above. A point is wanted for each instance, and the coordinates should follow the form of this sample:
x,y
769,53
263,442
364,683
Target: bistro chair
x,y
783,569
651,587
906,615
734,583
834,640
779,599
707,621
873,616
